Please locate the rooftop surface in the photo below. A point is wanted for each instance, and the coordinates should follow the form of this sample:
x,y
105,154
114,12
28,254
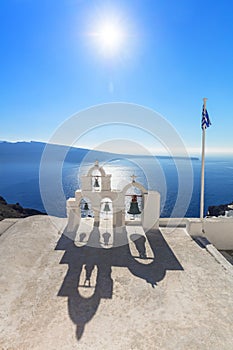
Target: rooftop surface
x,y
182,299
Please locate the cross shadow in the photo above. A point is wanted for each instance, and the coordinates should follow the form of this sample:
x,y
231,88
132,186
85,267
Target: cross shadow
x,y
85,259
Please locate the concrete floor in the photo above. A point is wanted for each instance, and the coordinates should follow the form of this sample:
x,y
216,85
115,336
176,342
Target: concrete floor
x,y
183,299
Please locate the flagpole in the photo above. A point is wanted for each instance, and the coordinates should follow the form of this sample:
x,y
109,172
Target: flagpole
x,y
203,167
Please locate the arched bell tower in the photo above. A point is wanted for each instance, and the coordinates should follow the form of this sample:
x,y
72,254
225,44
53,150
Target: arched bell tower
x,y
96,179
150,210
96,186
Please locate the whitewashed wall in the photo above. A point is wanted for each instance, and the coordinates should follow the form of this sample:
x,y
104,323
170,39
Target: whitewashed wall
x,y
219,231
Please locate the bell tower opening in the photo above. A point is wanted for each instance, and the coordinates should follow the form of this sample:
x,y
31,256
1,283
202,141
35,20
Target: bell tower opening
x,y
96,180
133,204
86,208
106,209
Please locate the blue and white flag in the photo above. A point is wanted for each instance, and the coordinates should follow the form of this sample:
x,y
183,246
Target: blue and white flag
x,y
205,122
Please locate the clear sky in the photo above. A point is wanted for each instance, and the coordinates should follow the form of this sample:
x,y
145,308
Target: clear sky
x,y
171,54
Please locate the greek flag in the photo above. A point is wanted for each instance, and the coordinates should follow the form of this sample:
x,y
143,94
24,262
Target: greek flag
x,y
205,122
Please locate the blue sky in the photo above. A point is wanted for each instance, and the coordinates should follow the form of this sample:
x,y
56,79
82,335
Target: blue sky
x,y
174,53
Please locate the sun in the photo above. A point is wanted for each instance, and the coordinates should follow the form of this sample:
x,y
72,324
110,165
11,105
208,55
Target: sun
x,y
109,38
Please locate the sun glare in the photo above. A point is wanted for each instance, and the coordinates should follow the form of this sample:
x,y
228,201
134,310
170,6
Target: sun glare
x,y
109,37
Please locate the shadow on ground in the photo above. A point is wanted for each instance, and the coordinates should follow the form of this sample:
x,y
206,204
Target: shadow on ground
x,y
84,259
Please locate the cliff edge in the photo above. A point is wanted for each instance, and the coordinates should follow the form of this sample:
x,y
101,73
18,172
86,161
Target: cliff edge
x,y
15,210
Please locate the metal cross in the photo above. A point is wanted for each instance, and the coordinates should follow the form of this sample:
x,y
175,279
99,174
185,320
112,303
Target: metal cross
x,y
133,177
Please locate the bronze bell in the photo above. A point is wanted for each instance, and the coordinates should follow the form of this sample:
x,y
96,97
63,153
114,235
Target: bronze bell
x,y
134,209
106,207
86,206
96,183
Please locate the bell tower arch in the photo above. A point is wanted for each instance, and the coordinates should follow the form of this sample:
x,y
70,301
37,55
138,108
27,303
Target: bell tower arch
x,y
96,186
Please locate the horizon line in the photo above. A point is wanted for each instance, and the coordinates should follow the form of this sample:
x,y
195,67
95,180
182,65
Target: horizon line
x,y
191,151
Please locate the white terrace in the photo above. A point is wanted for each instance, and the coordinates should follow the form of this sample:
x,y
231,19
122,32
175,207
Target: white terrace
x,y
180,299
103,281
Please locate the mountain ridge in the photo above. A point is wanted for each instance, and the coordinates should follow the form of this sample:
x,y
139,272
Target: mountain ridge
x,y
24,149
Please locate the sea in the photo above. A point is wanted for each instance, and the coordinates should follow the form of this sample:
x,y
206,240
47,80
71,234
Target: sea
x,y
177,181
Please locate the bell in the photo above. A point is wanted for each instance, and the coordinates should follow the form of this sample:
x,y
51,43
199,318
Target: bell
x,y
134,209
96,183
85,206
106,207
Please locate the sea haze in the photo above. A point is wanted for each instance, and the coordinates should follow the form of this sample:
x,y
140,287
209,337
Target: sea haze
x,y
20,163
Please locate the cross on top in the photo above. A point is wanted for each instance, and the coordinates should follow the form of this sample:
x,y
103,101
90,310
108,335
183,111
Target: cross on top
x,y
133,177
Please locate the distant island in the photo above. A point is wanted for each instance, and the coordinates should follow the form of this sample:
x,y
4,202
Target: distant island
x,y
15,210
33,150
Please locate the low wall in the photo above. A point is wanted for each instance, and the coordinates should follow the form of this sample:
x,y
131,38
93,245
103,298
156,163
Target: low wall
x,y
173,222
219,231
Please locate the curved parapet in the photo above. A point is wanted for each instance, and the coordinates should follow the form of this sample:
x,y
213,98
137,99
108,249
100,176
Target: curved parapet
x,y
96,167
134,184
